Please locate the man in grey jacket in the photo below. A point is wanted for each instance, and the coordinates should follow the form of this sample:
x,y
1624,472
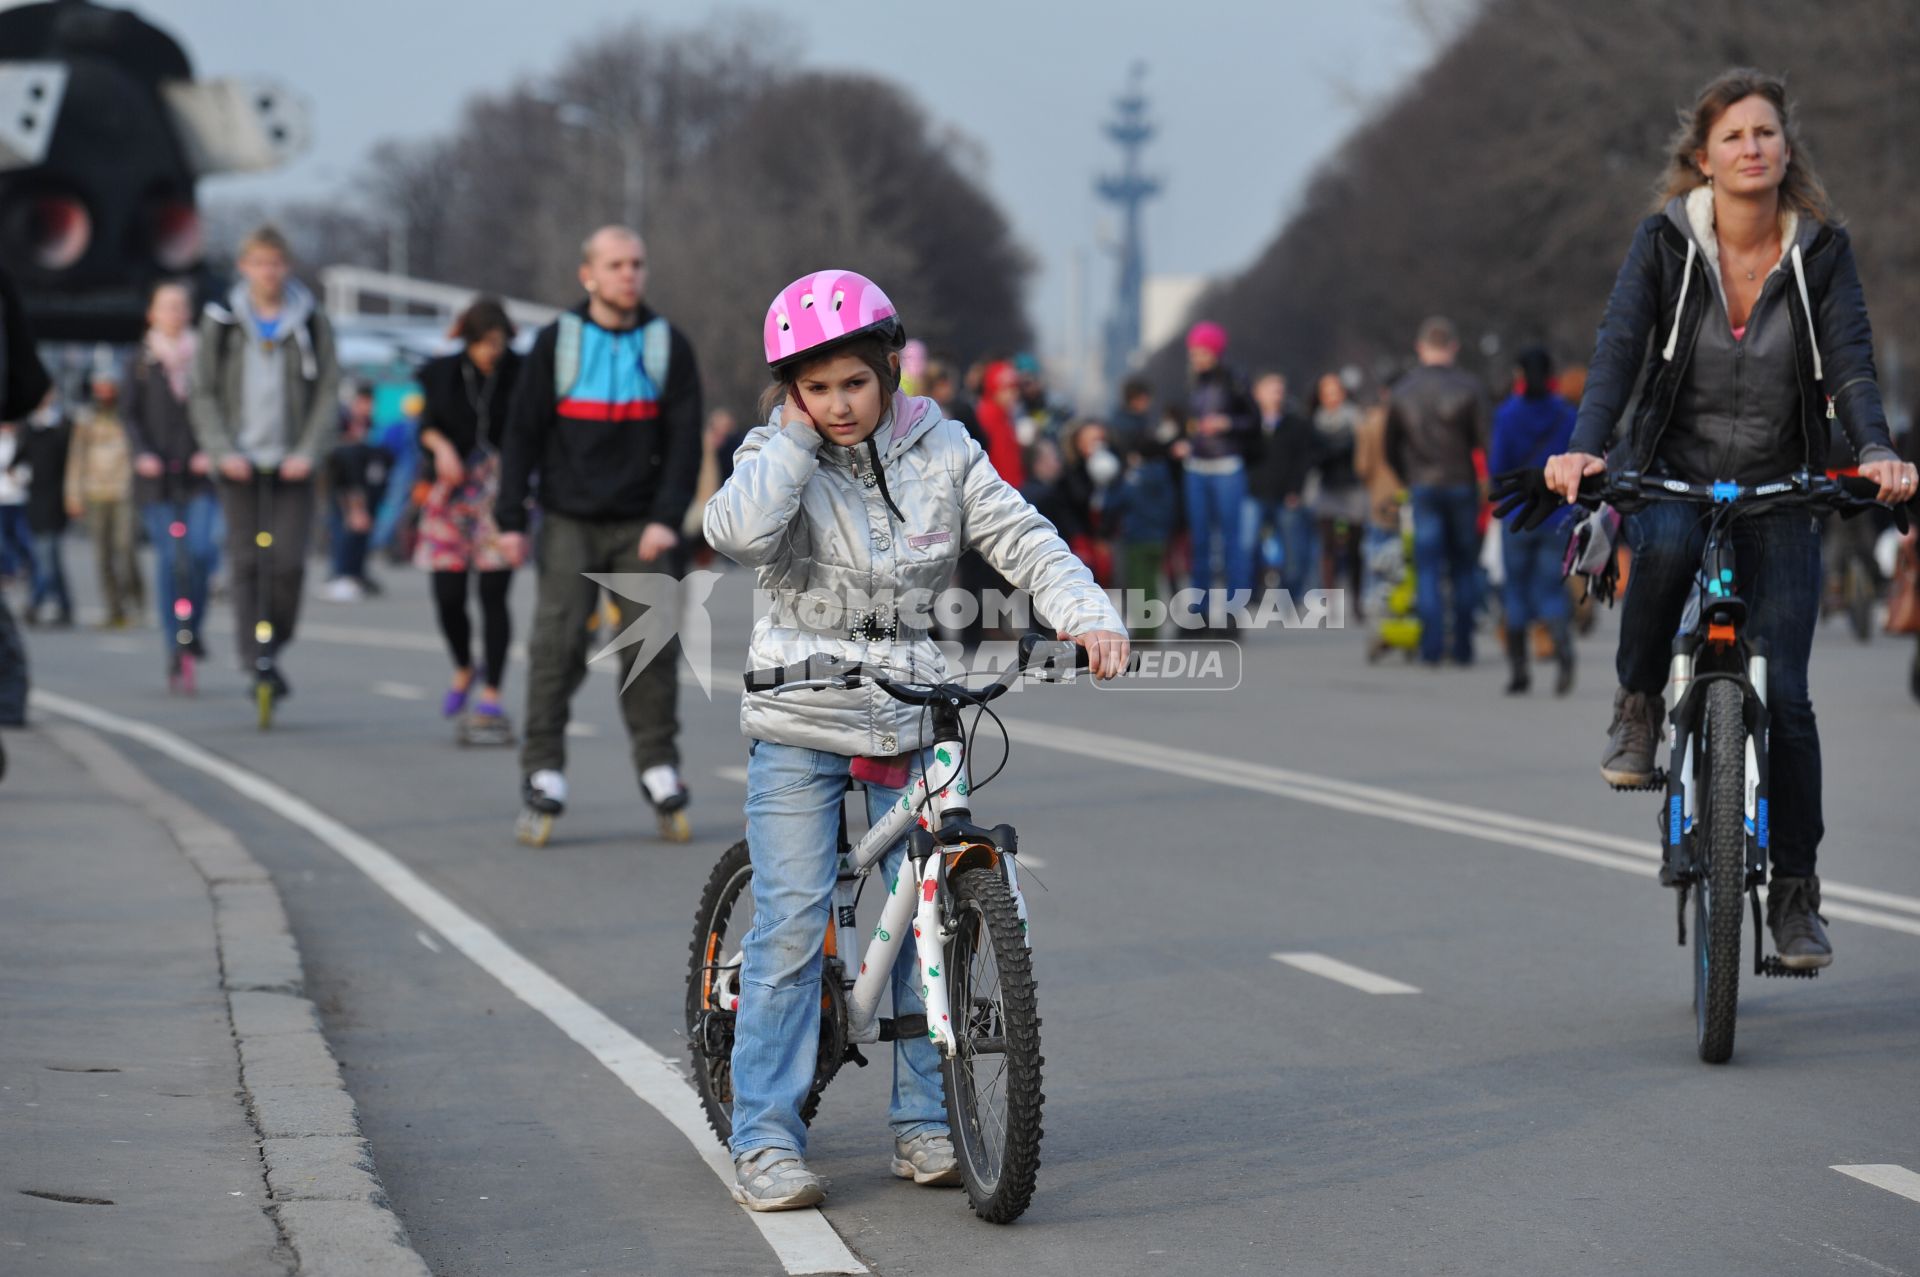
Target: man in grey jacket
x,y
265,406
1436,419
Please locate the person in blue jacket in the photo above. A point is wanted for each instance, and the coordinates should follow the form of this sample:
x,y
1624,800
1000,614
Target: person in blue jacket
x,y
1532,425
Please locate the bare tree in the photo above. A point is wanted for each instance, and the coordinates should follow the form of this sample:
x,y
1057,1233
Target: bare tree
x,y
1502,185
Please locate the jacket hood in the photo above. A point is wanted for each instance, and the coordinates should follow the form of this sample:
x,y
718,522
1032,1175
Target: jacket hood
x,y
296,306
1692,215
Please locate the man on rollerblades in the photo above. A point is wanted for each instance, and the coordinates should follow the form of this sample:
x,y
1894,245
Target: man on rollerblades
x,y
606,418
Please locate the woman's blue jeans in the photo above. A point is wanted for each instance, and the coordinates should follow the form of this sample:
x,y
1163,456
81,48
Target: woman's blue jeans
x,y
1214,516
1777,570
793,828
200,514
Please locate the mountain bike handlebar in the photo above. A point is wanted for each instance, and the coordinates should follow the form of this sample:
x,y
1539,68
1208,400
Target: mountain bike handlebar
x,y
1524,493
823,672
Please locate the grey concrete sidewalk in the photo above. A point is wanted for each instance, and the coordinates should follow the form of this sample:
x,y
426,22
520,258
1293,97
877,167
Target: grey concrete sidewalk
x,y
167,1103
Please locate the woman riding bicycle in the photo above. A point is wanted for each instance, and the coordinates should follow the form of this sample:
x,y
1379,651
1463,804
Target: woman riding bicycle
x,y
1741,299
851,501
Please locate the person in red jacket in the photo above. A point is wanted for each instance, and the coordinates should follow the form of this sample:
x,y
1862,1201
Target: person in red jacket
x,y
995,412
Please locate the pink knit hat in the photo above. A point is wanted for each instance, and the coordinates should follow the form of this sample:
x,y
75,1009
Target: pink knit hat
x,y
1208,335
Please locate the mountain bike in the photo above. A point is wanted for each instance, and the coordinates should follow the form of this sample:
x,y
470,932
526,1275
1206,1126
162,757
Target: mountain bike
x,y
1714,818
958,893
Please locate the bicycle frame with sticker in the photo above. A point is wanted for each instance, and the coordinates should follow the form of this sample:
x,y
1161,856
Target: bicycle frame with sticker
x,y
934,801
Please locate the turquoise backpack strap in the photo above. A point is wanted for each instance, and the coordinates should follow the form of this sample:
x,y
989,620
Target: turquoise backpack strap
x,y
566,355
656,351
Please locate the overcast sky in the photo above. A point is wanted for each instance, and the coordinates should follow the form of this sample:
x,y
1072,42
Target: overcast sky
x,y
1249,95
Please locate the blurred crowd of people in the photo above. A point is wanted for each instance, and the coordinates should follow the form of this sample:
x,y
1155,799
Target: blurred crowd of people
x,y
1241,486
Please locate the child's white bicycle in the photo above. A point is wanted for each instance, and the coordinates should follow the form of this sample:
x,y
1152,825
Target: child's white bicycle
x,y
959,892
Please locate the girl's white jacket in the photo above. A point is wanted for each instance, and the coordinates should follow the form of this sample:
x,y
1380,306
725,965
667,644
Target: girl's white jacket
x,y
818,522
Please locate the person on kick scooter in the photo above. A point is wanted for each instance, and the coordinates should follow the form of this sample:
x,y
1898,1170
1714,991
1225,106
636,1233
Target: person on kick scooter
x,y
852,492
467,394
171,475
607,416
265,405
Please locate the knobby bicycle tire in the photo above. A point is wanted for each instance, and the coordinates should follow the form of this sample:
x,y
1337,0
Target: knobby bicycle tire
x,y
713,1077
999,1169
1720,898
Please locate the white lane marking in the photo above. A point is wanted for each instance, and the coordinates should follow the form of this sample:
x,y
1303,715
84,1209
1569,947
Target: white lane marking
x,y
1895,1179
802,1239
736,774
426,940
583,731
1565,841
1343,972
400,691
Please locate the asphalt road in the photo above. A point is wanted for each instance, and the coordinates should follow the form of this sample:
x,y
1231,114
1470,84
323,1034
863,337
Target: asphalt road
x,y
1535,1106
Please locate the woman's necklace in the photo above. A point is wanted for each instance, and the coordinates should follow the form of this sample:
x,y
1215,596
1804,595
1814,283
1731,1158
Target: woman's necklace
x,y
1762,255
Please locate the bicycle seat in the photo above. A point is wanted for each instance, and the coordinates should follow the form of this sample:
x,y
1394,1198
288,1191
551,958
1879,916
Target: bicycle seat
x,y
888,773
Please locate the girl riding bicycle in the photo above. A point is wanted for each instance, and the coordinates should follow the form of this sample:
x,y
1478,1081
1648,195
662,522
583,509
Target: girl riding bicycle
x,y
852,501
1738,313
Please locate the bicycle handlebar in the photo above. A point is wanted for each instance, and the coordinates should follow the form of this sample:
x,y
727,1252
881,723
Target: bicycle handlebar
x,y
1526,492
823,672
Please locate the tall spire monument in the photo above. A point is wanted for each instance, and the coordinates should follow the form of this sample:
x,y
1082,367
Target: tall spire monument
x,y
1129,189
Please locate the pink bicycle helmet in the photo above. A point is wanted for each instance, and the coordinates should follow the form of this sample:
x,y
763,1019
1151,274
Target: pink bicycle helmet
x,y
817,312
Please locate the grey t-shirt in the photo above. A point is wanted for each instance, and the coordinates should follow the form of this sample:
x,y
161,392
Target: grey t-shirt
x,y
262,433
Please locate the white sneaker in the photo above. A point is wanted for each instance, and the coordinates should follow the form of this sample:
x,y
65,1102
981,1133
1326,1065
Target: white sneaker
x,y
342,589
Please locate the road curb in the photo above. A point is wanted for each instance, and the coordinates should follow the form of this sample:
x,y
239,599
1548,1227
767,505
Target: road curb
x,y
326,1195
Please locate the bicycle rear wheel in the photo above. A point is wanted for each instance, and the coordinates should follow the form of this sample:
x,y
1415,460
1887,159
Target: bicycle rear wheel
x,y
993,1077
1720,893
724,918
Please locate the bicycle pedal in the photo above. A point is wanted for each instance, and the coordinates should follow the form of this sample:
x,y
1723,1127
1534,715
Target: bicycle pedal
x,y
1657,783
1771,965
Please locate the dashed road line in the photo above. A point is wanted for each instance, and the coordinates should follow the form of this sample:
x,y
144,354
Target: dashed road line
x,y
1343,973
1895,1179
400,691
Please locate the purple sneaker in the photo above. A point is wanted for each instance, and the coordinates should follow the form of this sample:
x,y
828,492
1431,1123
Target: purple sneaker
x,y
455,701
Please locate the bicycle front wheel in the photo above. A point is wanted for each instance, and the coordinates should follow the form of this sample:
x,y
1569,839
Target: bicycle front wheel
x,y
993,1077
1720,894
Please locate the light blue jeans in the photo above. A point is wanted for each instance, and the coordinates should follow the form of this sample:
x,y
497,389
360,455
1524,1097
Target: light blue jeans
x,y
199,512
793,825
